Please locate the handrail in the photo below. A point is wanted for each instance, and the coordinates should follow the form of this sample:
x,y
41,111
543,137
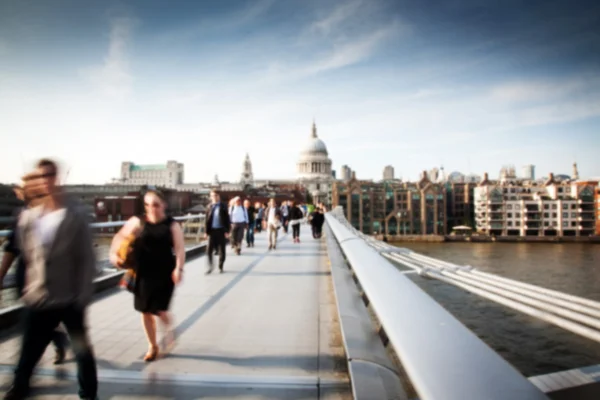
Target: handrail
x,y
443,358
100,225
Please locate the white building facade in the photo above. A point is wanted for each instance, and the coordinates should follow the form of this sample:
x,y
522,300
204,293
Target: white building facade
x,y
517,208
167,175
314,169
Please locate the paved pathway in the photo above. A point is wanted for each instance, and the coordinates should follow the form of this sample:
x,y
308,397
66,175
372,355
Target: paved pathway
x,y
265,329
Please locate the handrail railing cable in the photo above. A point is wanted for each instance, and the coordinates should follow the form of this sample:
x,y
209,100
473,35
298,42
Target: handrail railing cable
x,y
114,224
443,359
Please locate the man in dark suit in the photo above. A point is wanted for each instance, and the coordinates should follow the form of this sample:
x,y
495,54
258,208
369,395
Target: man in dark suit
x,y
217,226
12,252
56,242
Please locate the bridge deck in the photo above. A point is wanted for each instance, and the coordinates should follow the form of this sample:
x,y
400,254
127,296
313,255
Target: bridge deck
x,y
266,328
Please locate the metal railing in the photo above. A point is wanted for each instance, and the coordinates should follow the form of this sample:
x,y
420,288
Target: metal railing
x,y
442,358
192,231
114,224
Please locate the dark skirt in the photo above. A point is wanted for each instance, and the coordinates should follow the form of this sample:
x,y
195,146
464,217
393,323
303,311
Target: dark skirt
x,y
152,295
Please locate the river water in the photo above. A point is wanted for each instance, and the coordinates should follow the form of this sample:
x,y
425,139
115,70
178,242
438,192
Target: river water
x,y
534,347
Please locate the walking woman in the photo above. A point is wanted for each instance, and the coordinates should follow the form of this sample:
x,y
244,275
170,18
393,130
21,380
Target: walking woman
x,y
157,269
296,216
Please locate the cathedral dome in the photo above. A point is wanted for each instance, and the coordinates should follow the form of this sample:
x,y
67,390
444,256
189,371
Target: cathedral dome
x,y
314,145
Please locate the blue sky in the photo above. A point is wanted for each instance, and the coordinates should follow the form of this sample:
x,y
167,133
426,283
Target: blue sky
x,y
469,85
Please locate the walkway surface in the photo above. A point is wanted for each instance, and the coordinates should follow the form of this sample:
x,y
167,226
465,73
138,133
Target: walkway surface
x,y
267,328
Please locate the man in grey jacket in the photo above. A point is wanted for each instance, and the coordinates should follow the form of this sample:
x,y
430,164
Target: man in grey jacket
x,y
57,245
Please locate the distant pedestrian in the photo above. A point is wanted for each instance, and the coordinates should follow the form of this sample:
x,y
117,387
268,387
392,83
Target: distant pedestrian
x,y
239,221
260,212
56,242
285,215
317,220
159,252
295,221
251,212
272,223
217,227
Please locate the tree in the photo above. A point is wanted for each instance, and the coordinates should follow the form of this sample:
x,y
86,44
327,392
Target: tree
x,y
309,198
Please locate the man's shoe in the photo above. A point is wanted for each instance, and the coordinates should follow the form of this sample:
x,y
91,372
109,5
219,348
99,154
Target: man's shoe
x,y
15,394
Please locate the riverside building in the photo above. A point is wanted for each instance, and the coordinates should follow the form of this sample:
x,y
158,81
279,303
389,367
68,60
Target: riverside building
x,y
520,208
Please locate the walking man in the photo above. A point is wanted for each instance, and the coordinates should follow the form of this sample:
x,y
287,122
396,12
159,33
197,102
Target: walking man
x,y
317,219
12,252
260,213
272,223
295,220
239,222
57,245
285,213
250,211
216,226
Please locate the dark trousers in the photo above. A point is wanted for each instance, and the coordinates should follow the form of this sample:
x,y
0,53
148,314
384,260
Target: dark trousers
x,y
59,338
250,233
316,231
216,241
296,231
40,325
237,235
284,223
258,225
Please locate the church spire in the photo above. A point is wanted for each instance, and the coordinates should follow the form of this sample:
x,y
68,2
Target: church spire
x,y
314,129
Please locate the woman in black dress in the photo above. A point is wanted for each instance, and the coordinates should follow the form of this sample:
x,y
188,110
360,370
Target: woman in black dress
x,y
160,257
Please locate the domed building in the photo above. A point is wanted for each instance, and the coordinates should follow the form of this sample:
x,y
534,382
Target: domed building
x,y
314,168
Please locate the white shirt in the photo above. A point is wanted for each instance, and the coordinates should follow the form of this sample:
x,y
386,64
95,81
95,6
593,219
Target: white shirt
x,y
47,225
271,220
239,215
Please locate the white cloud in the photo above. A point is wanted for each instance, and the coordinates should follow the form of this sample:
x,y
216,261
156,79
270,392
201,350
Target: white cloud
x,y
350,53
337,17
527,91
113,78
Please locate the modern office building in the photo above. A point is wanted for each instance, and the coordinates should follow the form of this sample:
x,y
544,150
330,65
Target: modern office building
x,y
388,173
345,173
528,172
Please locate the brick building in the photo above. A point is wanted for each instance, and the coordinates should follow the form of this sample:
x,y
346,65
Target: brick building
x,y
597,207
393,208
461,210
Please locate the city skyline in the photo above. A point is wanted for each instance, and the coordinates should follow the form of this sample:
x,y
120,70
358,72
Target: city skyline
x,y
468,87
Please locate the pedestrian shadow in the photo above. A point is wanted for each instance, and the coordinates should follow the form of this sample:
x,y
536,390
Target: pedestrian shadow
x,y
311,273
169,390
298,254
308,363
